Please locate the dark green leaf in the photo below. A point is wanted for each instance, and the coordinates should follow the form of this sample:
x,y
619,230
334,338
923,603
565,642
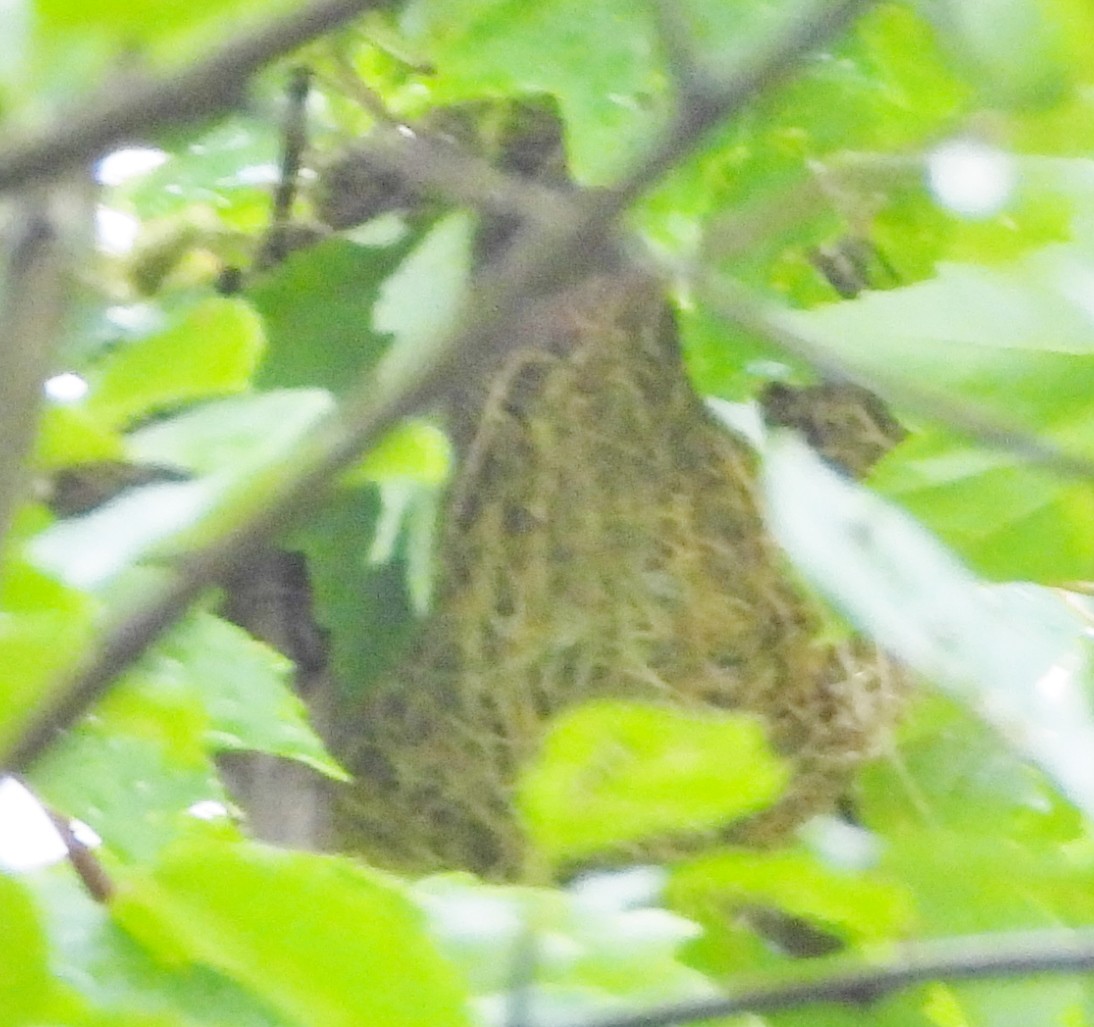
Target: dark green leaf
x,y
317,308
365,606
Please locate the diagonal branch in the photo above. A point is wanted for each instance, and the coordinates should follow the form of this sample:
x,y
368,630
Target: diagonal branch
x,y
545,257
736,305
711,100
206,89
845,982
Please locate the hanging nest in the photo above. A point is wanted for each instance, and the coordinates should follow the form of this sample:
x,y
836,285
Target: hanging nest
x,y
604,540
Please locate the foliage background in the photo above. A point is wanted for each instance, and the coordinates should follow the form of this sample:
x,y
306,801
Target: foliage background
x,y
983,342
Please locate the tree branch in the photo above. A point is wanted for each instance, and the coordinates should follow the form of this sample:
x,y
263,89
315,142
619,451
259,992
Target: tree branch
x,y
545,257
422,163
846,177
736,305
842,981
205,89
30,317
711,101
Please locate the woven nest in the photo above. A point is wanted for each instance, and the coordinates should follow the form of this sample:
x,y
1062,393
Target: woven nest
x,y
603,540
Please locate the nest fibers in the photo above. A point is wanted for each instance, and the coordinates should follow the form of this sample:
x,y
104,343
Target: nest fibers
x,y
603,540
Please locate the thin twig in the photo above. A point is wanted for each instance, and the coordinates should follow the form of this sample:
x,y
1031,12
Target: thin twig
x,y
294,134
522,979
82,859
346,79
712,101
545,257
208,88
846,982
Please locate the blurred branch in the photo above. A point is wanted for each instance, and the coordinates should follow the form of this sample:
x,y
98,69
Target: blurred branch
x,y
30,318
737,305
546,255
846,982
423,163
838,182
134,109
712,100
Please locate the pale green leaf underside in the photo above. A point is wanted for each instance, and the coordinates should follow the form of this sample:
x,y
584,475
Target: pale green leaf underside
x,y
999,651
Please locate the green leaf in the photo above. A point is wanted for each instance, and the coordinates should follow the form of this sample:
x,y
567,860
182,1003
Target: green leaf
x,y
1021,1001
415,451
151,742
244,687
1015,657
861,907
365,606
317,308
112,972
885,85
27,981
14,47
969,884
90,551
229,169
1016,343
240,446
407,528
611,105
1012,48
211,351
324,942
612,773
420,302
206,686
44,627
599,947
162,26
1008,519
241,434
951,771
70,435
